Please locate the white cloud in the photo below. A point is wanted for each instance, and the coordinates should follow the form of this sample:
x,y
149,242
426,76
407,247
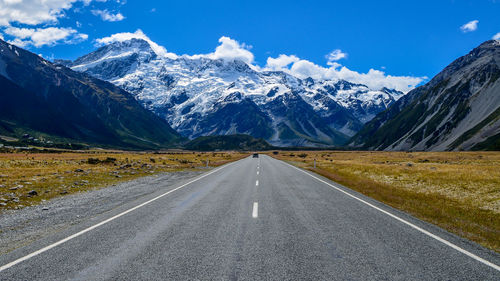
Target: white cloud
x,y
33,12
377,79
230,49
334,56
107,16
39,14
44,36
470,26
138,34
496,36
374,79
281,62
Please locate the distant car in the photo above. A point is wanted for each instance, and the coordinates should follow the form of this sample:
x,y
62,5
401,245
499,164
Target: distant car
x,y
255,155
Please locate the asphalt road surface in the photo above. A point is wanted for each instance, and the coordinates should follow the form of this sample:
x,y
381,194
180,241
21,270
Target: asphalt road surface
x,y
254,219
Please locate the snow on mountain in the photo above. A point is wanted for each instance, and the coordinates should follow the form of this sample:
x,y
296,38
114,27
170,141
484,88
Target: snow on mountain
x,y
199,95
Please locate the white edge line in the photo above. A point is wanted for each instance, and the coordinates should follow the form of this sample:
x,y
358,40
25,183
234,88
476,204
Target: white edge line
x,y
446,242
44,249
255,212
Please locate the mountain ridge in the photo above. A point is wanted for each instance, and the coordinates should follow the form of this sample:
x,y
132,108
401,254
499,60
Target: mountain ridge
x,y
55,101
457,110
193,94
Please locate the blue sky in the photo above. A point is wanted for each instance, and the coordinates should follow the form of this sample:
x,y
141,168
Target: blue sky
x,y
399,38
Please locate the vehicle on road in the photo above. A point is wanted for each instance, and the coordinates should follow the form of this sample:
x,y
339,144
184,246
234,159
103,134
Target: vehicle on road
x,y
255,155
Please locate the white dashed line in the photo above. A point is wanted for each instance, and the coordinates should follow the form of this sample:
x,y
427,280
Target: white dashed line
x,y
257,183
255,212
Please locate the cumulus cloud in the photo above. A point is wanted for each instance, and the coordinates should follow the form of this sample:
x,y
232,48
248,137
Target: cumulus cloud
x,y
44,36
230,49
496,36
470,26
377,79
374,79
33,12
39,14
107,16
334,56
281,62
138,34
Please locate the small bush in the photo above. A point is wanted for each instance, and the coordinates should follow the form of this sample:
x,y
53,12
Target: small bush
x,y
109,160
93,161
302,155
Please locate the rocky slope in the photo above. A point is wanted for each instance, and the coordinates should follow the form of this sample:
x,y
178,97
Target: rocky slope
x,y
201,96
52,101
459,109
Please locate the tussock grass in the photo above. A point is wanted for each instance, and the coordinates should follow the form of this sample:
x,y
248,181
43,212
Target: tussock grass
x,y
30,178
459,191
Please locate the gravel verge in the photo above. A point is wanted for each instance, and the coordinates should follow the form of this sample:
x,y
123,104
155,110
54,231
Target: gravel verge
x,y
21,227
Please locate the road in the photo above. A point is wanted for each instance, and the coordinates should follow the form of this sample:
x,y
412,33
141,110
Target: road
x,y
254,219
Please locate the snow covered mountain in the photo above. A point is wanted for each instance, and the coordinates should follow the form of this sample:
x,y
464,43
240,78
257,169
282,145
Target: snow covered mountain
x,y
200,96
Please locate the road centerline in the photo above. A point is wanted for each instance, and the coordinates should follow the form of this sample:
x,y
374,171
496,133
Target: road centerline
x,y
255,212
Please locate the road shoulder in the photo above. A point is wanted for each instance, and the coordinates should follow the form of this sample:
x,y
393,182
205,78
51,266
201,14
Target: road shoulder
x,y
21,227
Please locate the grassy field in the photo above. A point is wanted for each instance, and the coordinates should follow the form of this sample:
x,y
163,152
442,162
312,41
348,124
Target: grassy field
x,y
30,178
459,191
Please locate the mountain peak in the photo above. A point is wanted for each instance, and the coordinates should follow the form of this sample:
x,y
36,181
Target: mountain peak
x,y
486,48
490,44
135,43
117,49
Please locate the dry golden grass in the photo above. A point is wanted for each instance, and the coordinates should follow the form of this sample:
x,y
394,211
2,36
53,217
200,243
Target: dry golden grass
x,y
51,175
459,191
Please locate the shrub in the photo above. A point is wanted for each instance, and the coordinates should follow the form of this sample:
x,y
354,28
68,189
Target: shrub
x,y
93,161
109,160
